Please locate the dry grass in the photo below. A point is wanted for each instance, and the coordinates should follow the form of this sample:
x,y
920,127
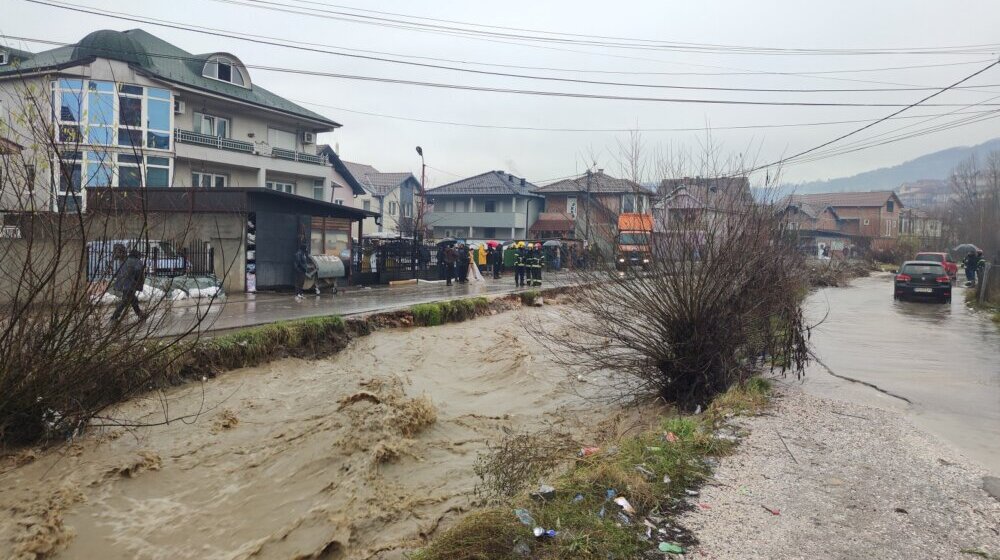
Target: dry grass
x,y
651,470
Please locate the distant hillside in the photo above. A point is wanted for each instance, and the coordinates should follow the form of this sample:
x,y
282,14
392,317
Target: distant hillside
x,y
937,165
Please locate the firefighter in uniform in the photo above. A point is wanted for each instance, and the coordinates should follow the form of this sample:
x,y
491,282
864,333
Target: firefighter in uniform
x,y
534,265
519,264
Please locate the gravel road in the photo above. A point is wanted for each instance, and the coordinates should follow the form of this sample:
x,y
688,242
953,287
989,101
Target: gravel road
x,y
848,481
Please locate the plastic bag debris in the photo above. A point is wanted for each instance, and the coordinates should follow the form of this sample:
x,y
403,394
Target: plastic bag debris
x,y
704,506
772,511
611,493
578,498
588,451
627,507
666,479
690,492
645,472
671,437
671,548
524,517
545,492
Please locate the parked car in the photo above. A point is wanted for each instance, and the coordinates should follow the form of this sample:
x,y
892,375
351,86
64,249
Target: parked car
x,y
922,280
949,265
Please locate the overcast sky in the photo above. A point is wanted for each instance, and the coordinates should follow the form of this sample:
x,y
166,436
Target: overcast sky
x,y
388,143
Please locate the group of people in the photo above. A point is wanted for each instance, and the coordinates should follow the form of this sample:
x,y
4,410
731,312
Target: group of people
x,y
460,263
974,264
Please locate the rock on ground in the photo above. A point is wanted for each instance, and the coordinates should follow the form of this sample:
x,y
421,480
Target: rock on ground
x,y
854,482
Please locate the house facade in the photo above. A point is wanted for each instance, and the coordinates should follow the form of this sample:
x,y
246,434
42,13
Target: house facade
x,y
394,196
588,207
132,110
857,219
491,205
127,114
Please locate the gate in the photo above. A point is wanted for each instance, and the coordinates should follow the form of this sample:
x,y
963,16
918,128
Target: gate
x,y
380,261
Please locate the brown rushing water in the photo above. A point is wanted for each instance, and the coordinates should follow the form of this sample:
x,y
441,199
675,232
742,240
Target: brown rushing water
x,y
944,358
285,464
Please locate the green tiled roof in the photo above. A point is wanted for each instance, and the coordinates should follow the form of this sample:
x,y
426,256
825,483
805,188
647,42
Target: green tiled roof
x,y
156,57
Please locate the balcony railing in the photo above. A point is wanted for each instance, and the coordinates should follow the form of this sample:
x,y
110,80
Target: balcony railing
x,y
292,155
189,137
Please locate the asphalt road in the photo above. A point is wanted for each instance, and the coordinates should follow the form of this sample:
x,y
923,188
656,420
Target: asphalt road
x,y
942,358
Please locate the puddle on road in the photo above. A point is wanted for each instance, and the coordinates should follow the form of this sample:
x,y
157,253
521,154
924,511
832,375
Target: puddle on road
x,y
944,358
357,456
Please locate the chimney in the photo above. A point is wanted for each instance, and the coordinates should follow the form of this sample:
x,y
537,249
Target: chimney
x,y
600,171
522,181
510,176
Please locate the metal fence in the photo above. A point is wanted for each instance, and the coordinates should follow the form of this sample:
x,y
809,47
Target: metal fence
x,y
989,284
379,261
162,259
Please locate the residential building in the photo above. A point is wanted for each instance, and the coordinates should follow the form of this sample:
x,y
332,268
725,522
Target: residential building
x,y
871,219
587,208
131,111
699,200
166,117
394,197
918,224
491,205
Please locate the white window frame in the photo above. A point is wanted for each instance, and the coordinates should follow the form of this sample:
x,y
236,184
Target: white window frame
x,y
200,118
211,70
197,178
281,186
319,189
339,201
4,58
392,207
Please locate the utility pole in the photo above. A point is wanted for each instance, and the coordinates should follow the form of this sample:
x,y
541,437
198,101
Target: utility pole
x,y
586,235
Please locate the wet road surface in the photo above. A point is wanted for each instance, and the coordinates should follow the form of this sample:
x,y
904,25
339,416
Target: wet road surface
x,y
246,310
943,358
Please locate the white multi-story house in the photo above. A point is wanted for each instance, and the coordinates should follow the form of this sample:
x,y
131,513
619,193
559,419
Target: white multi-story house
x,y
142,112
127,110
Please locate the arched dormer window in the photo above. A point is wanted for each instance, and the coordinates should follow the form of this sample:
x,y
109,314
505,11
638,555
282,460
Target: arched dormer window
x,y
226,69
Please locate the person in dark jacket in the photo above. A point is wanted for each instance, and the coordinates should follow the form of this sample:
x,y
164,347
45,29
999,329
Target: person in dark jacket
x,y
302,266
129,278
971,263
449,258
464,258
497,260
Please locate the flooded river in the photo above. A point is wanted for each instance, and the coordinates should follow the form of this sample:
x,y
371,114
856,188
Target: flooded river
x,y
357,456
943,358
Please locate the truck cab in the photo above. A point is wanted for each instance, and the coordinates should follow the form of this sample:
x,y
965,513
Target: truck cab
x,y
633,248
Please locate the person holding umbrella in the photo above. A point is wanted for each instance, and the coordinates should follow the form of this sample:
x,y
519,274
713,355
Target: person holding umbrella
x,y
971,263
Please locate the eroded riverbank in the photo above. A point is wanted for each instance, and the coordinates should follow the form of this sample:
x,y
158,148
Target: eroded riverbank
x,y
358,456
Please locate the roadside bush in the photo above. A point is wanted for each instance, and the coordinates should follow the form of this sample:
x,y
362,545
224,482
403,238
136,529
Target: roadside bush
x,y
529,297
427,314
720,299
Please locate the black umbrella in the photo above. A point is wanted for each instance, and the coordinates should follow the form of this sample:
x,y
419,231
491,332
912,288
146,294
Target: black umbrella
x,y
966,248
446,241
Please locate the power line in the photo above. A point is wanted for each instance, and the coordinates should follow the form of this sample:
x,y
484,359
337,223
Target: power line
x,y
542,93
591,36
631,44
592,130
289,44
566,80
881,120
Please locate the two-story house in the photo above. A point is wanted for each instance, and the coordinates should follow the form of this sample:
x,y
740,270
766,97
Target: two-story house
x,y
588,207
869,217
394,196
126,110
491,205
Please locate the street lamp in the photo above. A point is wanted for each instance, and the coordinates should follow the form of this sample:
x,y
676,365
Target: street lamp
x,y
419,221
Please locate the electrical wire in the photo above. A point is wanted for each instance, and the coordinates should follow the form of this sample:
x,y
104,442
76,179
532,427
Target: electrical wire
x,y
593,130
631,44
288,43
881,120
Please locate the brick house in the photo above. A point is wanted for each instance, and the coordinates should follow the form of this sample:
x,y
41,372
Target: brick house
x,y
587,207
870,219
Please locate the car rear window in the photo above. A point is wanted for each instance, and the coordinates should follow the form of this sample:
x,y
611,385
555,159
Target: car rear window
x,y
912,269
929,257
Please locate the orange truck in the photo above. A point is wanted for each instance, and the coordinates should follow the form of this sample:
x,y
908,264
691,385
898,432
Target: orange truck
x,y
634,244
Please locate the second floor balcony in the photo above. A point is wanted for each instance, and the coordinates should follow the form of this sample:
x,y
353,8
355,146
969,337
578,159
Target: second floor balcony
x,y
229,144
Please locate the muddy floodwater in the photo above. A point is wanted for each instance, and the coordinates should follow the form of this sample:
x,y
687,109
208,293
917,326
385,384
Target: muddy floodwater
x,y
357,456
943,358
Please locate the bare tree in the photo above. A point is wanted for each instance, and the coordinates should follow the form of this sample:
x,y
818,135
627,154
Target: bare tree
x,y
717,297
974,213
62,358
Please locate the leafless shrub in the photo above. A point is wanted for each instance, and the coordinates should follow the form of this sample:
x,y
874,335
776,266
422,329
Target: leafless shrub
x,y
62,358
518,460
973,216
715,297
